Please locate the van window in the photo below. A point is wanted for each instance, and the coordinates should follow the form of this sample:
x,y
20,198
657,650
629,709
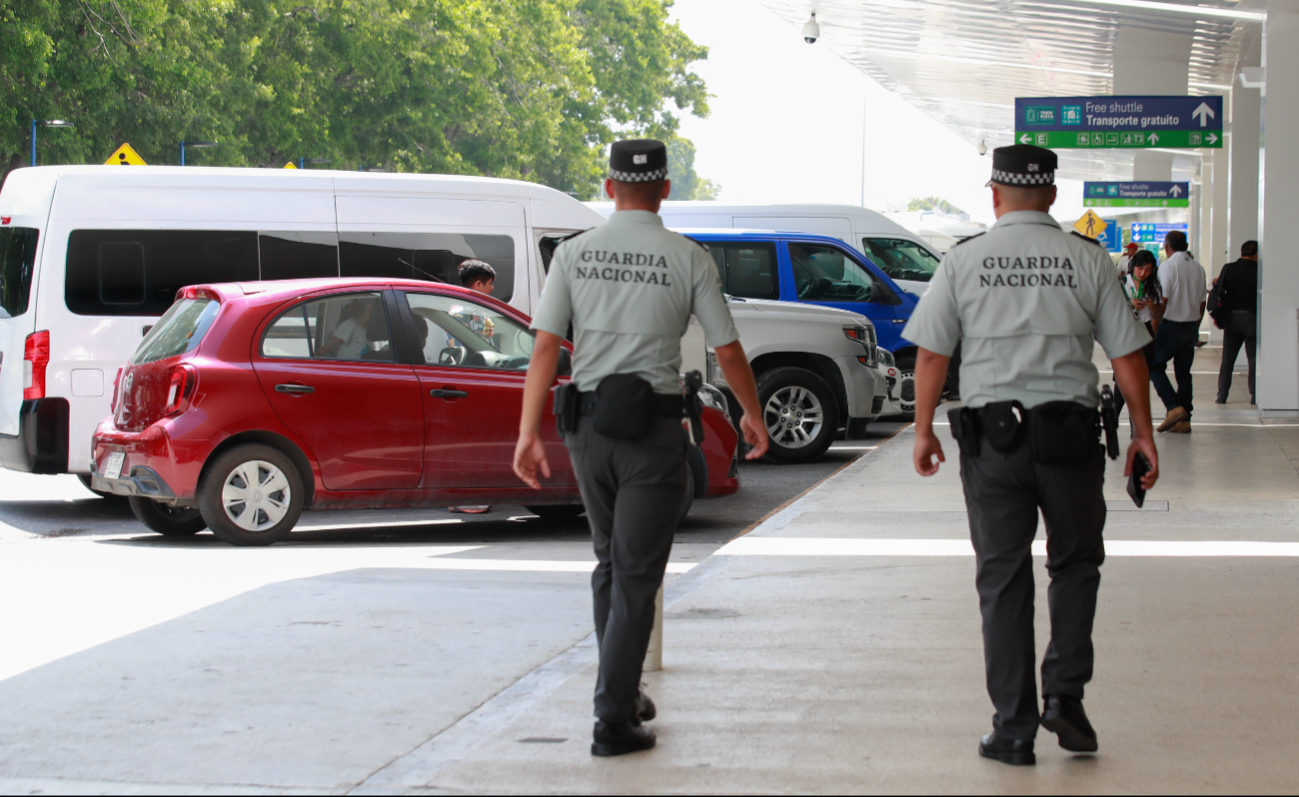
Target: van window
x,y
180,329
747,269
901,259
17,261
827,274
298,255
137,272
435,257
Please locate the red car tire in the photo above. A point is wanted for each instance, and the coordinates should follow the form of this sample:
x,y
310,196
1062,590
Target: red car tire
x,y
251,495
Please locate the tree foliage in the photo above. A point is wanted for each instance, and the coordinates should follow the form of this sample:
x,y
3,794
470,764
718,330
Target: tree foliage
x,y
527,89
686,184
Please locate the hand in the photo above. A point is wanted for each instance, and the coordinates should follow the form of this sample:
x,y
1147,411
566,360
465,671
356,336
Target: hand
x,y
755,434
529,457
927,447
1146,446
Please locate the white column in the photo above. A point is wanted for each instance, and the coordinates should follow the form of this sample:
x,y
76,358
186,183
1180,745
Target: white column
x,y
1278,340
1205,238
1148,62
1242,209
1213,259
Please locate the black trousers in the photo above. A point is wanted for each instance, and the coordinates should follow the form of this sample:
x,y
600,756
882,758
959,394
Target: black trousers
x,y
633,491
1004,493
1242,329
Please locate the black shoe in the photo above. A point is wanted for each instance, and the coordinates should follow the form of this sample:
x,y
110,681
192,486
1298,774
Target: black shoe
x,y
1063,715
1007,751
645,710
627,737
1220,401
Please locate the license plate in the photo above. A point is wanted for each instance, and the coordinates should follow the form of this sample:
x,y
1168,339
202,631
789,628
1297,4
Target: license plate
x,y
113,465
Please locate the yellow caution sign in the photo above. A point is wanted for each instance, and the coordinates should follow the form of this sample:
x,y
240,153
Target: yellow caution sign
x,y
290,165
1091,225
125,156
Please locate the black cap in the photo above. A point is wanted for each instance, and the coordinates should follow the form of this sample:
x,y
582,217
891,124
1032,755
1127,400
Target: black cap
x,y
1023,165
639,160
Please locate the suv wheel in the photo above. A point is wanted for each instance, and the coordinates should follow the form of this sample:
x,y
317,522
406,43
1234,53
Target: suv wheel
x,y
687,500
251,495
907,386
800,413
169,521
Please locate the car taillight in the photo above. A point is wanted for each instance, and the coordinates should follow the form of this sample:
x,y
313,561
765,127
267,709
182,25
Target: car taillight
x,y
117,383
36,356
183,381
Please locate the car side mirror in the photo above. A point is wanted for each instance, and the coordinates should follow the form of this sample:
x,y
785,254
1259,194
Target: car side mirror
x,y
565,365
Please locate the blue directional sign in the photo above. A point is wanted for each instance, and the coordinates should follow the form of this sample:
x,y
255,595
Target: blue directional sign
x,y
1145,232
1119,122
1136,195
1112,237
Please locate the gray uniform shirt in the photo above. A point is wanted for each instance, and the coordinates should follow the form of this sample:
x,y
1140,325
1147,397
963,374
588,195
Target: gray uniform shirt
x,y
1029,299
629,288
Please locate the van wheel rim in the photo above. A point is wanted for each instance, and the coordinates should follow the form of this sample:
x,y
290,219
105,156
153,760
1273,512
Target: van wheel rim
x,y
256,495
794,417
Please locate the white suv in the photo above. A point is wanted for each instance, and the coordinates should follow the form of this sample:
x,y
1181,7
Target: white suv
x,y
817,373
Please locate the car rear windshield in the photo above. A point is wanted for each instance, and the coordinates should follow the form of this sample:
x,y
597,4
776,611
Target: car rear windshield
x,y
178,331
17,261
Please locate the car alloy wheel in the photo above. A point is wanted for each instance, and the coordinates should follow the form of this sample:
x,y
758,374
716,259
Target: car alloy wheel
x,y
794,416
256,495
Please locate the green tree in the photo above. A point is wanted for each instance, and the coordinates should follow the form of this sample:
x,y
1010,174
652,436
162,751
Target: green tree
x,y
686,184
527,89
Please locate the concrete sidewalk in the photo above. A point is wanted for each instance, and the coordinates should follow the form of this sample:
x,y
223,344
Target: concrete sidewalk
x,y
835,648
809,656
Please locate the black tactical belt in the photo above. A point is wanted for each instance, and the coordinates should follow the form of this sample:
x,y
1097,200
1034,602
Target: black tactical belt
x,y
663,406
1056,432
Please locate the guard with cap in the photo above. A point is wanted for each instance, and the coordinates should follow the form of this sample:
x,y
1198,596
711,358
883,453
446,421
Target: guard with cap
x,y
628,288
1027,300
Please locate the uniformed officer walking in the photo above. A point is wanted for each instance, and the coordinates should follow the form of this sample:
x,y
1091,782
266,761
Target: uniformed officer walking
x,y
1028,299
629,288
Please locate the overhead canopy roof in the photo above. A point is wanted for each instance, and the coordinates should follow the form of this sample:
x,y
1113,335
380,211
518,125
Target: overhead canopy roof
x,y
963,62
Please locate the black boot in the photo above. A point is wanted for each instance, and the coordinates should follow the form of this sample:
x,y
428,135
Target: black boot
x,y
620,739
1063,715
1007,751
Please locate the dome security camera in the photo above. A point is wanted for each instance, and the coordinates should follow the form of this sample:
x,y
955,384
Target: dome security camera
x,y
811,31
983,147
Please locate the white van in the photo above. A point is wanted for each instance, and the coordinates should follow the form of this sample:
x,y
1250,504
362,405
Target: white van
x,y
898,252
91,256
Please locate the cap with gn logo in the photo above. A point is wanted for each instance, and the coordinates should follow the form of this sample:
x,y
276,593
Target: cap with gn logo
x,y
1023,165
639,160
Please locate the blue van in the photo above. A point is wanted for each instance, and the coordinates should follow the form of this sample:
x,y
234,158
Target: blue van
x,y
816,269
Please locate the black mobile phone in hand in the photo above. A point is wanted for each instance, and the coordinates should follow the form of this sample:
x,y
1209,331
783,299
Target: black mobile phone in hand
x,y
1140,467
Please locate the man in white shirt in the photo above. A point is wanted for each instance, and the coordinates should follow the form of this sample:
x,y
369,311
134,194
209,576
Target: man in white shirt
x,y
1128,252
1184,286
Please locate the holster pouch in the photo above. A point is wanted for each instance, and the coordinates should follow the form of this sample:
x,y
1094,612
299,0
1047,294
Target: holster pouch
x,y
566,408
965,428
694,407
1065,432
624,408
1003,424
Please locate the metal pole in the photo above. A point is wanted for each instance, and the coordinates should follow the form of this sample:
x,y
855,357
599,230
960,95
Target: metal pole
x,y
302,163
182,153
654,655
33,142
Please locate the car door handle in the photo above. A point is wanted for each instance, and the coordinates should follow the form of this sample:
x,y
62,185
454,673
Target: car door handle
x,y
448,393
295,389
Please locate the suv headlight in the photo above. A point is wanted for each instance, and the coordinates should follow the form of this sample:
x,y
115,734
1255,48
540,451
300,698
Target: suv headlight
x,y
714,375
886,358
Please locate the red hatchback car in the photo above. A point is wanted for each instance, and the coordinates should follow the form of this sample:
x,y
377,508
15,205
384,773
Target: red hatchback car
x,y
250,402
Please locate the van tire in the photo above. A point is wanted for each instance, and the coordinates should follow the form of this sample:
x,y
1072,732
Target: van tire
x,y
271,468
784,395
169,521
